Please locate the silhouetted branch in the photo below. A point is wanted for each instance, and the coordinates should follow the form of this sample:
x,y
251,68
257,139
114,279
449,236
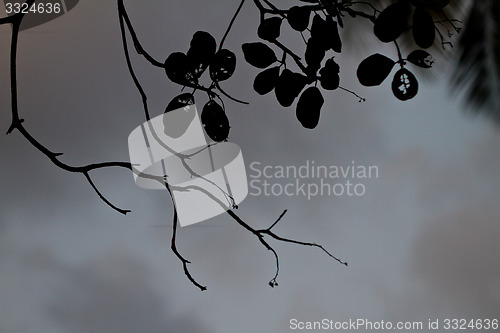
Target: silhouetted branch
x,y
184,261
140,50
231,24
17,122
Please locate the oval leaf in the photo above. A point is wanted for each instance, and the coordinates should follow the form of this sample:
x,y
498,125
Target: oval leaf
x,y
391,22
177,123
289,86
298,18
180,101
424,31
330,78
180,70
201,51
259,54
334,41
319,31
223,65
374,70
404,85
269,29
421,58
215,121
266,80
309,107
314,54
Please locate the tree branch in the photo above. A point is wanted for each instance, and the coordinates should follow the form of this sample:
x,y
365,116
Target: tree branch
x,y
140,50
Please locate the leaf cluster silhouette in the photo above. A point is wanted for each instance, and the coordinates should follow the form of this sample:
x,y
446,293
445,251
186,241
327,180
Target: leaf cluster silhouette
x,y
295,78
319,24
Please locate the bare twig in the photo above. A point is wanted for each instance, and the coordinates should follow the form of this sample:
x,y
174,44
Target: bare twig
x,y
17,122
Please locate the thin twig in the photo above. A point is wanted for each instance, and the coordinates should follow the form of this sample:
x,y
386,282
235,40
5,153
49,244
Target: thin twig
x,y
231,24
17,122
140,50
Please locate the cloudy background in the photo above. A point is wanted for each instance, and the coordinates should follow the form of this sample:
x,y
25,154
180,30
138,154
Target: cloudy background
x,y
422,243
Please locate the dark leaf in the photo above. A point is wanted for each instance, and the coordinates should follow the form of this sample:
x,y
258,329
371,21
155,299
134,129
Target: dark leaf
x,y
334,41
430,4
309,107
266,80
374,70
421,58
269,29
319,31
177,123
259,54
314,54
223,65
179,69
424,31
404,85
215,121
180,101
391,22
289,86
330,78
201,51
298,17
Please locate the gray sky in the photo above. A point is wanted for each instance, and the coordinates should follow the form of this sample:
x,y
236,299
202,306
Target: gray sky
x,y
421,243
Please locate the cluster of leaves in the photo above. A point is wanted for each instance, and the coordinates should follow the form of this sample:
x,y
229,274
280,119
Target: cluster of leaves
x,y
318,23
287,84
186,70
389,25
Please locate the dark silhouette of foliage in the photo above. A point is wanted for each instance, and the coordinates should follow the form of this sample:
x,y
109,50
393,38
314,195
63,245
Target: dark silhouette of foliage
x,y
421,58
266,80
329,75
404,85
322,36
391,22
374,70
291,75
180,101
309,107
269,29
298,17
259,54
289,86
215,121
423,29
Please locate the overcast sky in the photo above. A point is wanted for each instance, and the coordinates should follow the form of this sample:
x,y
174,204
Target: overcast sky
x,y
422,243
